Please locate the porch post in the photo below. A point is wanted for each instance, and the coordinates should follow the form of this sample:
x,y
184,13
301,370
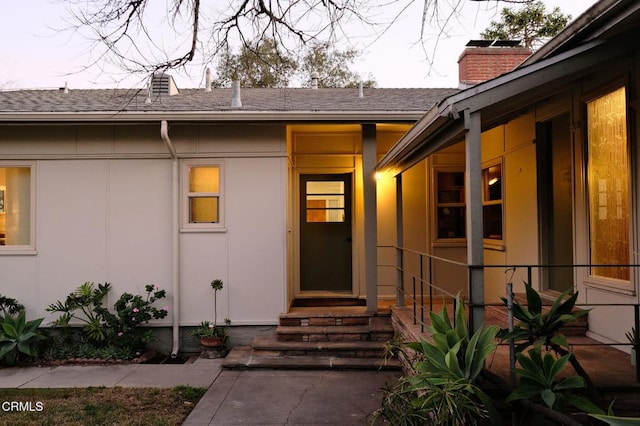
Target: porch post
x,y
369,160
473,199
399,242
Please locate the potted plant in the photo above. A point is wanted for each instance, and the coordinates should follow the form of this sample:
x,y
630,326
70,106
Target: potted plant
x,y
633,338
211,334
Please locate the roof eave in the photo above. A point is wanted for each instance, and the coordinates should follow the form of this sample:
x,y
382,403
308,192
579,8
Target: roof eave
x,y
443,120
209,116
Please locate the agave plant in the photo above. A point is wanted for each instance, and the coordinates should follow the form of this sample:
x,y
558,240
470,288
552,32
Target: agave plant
x,y
443,389
540,328
18,336
539,378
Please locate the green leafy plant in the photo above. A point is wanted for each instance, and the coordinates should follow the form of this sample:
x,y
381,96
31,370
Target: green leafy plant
x,y
443,388
212,329
9,306
633,338
539,378
415,401
84,305
617,421
543,329
217,286
207,329
109,332
536,327
18,337
132,311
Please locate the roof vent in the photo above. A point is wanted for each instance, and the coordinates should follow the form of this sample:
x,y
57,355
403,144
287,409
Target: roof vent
x,y
207,87
236,101
314,80
360,90
163,85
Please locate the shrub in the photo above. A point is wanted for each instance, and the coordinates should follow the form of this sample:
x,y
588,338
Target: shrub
x,y
114,331
18,337
443,390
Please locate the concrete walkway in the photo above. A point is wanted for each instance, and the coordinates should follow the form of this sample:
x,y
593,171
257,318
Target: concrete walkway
x,y
251,397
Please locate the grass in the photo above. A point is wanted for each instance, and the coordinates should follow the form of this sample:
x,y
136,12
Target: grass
x,y
98,406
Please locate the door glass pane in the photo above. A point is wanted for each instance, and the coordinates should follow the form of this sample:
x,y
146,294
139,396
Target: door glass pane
x,y
203,210
325,201
204,179
608,184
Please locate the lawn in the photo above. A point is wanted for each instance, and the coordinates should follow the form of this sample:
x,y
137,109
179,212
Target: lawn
x,y
97,406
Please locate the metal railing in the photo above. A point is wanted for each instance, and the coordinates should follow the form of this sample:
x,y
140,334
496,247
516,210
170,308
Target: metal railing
x,y
416,280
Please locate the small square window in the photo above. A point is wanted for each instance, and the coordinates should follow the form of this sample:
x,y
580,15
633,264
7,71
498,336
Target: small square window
x,y
202,192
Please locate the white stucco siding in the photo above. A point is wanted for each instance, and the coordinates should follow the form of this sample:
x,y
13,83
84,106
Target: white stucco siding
x,y
99,221
256,218
139,227
203,258
71,224
249,256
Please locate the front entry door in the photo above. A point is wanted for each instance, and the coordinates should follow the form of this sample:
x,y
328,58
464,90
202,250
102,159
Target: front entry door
x,y
325,233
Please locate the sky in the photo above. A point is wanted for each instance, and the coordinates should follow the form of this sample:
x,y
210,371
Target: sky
x,y
35,54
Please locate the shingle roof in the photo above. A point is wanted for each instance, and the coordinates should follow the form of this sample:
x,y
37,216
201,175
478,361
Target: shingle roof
x,y
219,100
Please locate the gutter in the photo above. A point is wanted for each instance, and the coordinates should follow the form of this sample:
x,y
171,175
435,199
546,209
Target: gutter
x,y
232,116
175,236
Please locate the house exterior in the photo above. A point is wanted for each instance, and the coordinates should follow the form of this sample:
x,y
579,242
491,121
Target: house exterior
x,y
270,190
533,175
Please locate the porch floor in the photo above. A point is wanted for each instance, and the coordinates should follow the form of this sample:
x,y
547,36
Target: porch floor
x,y
607,366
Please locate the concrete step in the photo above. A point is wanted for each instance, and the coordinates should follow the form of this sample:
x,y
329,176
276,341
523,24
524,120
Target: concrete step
x,y
359,349
334,333
246,357
335,317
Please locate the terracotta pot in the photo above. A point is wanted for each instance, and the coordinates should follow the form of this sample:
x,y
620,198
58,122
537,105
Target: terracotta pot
x,y
212,342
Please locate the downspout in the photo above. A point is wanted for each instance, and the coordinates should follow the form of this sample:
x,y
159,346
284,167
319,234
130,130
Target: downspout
x,y
175,237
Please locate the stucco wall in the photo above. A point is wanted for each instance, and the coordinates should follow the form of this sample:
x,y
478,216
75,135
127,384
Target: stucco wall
x,y
103,213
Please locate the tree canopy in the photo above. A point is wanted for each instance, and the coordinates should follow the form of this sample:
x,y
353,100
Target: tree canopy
x,y
134,36
531,24
266,64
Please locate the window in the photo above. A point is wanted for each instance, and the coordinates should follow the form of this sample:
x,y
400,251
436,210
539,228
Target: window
x,y
202,190
492,202
325,201
450,205
16,216
608,184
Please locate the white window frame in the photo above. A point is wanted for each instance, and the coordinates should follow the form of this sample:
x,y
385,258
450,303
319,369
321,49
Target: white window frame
x,y
614,285
31,247
494,243
187,226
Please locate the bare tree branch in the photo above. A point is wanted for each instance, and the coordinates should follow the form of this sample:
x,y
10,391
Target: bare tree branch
x,y
134,35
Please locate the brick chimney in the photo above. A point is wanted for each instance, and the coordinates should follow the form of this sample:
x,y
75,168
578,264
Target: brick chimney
x,y
483,60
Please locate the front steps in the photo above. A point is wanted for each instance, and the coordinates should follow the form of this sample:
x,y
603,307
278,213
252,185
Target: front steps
x,y
320,338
